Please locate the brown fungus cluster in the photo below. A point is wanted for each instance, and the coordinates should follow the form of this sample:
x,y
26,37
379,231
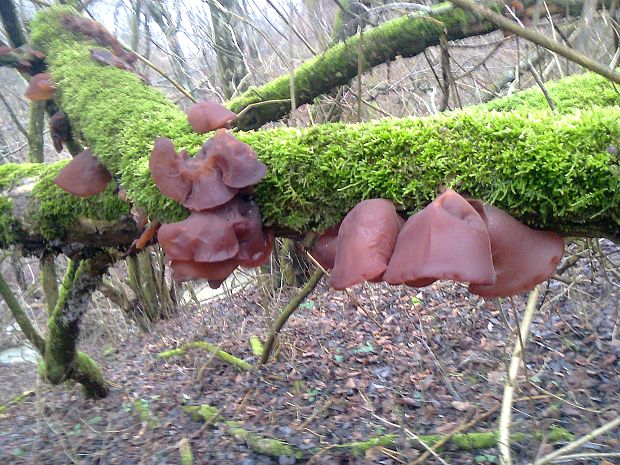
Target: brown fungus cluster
x,y
83,176
224,229
105,57
60,129
452,238
96,31
40,87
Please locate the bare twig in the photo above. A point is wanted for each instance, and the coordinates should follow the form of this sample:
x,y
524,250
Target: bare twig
x,y
539,39
609,426
503,441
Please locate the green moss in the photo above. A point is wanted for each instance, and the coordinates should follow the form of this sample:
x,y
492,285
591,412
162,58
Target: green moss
x,y
141,406
58,210
568,94
548,170
11,173
185,451
224,356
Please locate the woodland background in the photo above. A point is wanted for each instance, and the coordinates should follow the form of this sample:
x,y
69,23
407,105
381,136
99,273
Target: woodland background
x,y
357,376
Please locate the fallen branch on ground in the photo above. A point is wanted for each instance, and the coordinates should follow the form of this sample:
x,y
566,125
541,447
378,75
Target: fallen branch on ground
x,y
223,356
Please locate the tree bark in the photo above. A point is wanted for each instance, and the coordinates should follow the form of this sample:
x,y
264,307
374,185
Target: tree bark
x,y
231,69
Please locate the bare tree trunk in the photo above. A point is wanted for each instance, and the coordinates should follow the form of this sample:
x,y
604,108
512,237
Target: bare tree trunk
x,y
231,68
163,18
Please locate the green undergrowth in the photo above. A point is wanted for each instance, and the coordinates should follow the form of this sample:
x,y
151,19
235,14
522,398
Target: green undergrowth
x,y
546,169
276,447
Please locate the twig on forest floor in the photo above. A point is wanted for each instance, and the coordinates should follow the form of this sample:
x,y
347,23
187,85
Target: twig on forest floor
x,y
609,426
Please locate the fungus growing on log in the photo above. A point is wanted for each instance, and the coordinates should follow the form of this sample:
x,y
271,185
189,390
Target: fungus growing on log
x,y
324,249
212,242
366,240
208,116
40,87
237,161
446,240
105,57
522,257
81,25
223,231
190,181
211,178
83,175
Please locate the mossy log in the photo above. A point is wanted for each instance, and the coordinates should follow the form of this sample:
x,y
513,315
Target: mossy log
x,y
276,447
62,359
223,356
551,170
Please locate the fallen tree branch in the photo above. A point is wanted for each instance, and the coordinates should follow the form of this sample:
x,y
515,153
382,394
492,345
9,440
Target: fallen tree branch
x,y
223,356
607,427
276,447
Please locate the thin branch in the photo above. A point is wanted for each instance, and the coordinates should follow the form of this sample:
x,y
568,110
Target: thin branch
x,y
579,442
540,39
503,442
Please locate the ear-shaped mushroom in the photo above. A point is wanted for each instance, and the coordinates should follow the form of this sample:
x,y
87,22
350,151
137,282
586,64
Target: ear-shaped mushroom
x,y
216,272
324,249
255,244
83,176
522,257
203,237
366,239
236,160
190,181
60,129
446,240
166,165
208,116
40,87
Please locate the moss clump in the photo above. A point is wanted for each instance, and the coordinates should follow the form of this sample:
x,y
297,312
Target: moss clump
x,y
224,356
58,210
548,170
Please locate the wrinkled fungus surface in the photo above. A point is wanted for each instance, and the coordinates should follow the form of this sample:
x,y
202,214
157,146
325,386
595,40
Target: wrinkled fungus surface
x,y
366,239
223,230
89,28
208,116
211,178
40,87
522,257
446,240
83,175
211,242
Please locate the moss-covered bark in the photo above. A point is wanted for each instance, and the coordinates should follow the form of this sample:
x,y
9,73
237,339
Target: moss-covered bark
x,y
406,36
62,359
550,170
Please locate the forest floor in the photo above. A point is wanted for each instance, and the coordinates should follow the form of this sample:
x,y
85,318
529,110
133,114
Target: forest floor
x,y
437,361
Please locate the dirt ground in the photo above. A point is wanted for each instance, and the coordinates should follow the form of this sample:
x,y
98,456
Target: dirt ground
x,y
437,360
